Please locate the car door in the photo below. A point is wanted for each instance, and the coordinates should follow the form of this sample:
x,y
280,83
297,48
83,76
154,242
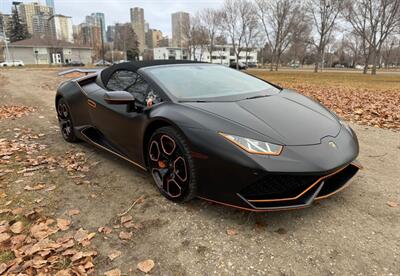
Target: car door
x,y
118,124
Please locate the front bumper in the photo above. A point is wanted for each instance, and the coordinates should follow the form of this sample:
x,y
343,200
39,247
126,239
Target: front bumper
x,y
308,189
295,179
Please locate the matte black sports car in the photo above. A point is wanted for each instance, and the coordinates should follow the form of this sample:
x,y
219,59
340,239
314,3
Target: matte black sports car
x,y
207,131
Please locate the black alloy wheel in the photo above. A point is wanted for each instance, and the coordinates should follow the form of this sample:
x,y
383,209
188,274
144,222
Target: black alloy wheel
x,y
65,121
171,165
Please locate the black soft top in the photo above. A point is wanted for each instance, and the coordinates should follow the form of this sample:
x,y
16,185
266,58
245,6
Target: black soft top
x,y
136,65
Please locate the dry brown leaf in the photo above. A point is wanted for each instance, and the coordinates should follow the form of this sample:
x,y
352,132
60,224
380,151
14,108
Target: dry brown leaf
x,y
17,227
146,266
4,237
114,272
106,230
63,224
125,235
35,187
64,272
125,219
392,204
114,254
231,232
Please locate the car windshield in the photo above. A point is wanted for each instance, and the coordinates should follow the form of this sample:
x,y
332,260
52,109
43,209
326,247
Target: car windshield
x,y
209,82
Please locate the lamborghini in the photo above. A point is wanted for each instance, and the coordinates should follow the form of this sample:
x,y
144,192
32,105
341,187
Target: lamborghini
x,y
207,131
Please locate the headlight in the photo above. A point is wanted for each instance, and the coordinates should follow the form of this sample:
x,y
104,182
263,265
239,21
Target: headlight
x,y
253,146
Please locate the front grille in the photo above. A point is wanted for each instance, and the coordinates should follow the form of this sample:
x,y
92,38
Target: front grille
x,y
275,186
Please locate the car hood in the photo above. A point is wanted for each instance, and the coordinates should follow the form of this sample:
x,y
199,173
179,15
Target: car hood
x,y
287,117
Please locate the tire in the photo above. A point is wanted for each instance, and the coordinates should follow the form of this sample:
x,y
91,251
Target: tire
x,y
65,121
171,165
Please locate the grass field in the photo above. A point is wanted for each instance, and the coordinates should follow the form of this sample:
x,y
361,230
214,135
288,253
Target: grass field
x,y
381,82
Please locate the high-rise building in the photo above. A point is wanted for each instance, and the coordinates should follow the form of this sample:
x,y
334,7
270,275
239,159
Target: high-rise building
x,y
137,21
41,25
153,37
61,27
110,33
146,26
180,23
100,21
50,3
28,10
4,21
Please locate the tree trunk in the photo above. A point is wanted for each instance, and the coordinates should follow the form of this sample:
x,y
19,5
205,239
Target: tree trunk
x,y
373,71
278,60
316,66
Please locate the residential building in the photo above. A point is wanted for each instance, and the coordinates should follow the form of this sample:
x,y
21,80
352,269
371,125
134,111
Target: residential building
x,y
48,51
61,27
89,35
137,21
146,26
110,33
223,54
4,21
153,37
41,24
50,3
170,53
28,10
180,23
98,19
165,42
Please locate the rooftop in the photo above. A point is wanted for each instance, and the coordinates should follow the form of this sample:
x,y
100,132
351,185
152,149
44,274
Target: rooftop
x,y
49,43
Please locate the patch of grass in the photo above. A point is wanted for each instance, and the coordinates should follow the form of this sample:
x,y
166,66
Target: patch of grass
x,y
379,82
6,256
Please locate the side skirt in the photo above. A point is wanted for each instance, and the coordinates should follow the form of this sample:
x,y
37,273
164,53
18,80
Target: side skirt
x,y
92,136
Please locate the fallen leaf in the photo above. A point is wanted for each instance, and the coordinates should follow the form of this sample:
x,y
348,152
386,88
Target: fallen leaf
x,y
146,266
34,188
114,272
125,219
392,204
63,224
4,237
17,227
125,235
231,232
114,254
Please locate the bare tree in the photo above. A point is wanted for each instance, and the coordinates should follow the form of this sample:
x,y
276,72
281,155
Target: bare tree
x,y
300,39
196,36
374,21
388,51
324,14
278,19
235,20
252,33
210,20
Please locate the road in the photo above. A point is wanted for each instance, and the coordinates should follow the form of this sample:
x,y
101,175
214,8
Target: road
x,y
354,232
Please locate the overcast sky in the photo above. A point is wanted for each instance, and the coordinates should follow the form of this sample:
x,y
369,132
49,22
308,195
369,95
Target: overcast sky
x,y
156,12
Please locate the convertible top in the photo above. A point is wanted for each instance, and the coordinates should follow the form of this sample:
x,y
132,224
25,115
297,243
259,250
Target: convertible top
x,y
136,65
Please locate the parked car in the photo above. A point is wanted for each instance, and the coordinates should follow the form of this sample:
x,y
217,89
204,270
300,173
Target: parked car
x,y
242,66
74,63
10,63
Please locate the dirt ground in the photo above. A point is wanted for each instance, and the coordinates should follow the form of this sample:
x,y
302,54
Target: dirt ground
x,y
356,232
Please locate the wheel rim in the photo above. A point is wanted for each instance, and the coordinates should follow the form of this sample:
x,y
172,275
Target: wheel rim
x,y
64,119
168,165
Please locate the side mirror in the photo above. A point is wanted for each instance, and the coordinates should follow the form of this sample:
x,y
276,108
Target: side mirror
x,y
119,97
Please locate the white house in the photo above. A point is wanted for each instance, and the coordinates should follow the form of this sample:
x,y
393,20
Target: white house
x,y
170,53
222,54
